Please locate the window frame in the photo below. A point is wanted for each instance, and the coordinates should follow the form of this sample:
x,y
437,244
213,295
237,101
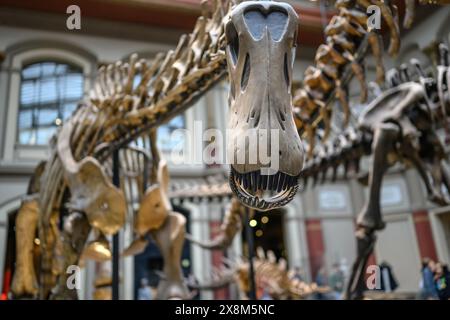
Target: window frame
x,y
13,150
35,105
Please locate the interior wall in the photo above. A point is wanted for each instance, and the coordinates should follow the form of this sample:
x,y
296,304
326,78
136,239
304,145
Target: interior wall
x,y
397,245
340,244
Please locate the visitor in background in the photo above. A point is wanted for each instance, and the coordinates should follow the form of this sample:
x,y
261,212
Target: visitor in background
x,y
427,286
192,285
388,281
442,281
266,294
298,274
345,269
264,289
144,292
321,281
336,281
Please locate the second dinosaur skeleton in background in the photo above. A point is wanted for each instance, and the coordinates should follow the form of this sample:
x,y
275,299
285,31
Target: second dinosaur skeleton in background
x,y
348,35
400,125
403,121
270,275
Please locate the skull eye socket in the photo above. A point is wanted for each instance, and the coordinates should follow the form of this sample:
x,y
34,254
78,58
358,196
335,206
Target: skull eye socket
x,y
233,42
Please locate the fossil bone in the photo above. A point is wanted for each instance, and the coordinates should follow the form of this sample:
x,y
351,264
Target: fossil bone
x,y
269,272
261,37
232,224
24,282
91,190
399,125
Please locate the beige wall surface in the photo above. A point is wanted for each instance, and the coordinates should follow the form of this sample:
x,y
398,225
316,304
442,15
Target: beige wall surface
x,y
397,245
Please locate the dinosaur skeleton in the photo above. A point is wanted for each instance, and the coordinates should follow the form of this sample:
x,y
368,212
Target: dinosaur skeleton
x,y
118,112
348,35
255,39
403,122
400,125
231,225
270,274
349,147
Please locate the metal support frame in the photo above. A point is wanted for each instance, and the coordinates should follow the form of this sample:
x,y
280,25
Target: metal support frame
x,y
251,251
115,242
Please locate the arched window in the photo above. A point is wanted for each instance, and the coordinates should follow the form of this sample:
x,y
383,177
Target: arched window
x,y
49,93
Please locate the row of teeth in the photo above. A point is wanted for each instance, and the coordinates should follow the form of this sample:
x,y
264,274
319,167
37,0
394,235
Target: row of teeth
x,y
258,203
254,181
261,204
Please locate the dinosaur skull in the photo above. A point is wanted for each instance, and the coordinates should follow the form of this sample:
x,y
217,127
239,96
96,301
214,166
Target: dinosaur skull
x,y
264,148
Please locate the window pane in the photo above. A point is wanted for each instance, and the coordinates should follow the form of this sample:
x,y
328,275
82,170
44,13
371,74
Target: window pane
x,y
62,69
28,92
68,109
25,137
47,117
48,68
137,79
43,135
25,119
166,141
177,122
49,91
32,71
73,86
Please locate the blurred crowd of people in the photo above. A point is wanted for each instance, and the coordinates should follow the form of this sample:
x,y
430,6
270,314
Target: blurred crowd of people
x,y
435,280
434,283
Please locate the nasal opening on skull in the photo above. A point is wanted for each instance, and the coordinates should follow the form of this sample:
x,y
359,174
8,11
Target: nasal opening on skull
x,y
258,19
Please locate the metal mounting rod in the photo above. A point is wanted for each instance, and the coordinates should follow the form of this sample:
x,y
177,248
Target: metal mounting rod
x,y
251,250
115,244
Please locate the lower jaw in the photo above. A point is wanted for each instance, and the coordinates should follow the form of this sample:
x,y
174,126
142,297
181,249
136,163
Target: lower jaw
x,y
249,187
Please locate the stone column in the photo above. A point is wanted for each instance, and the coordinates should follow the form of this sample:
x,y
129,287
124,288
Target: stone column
x,y
201,259
295,235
